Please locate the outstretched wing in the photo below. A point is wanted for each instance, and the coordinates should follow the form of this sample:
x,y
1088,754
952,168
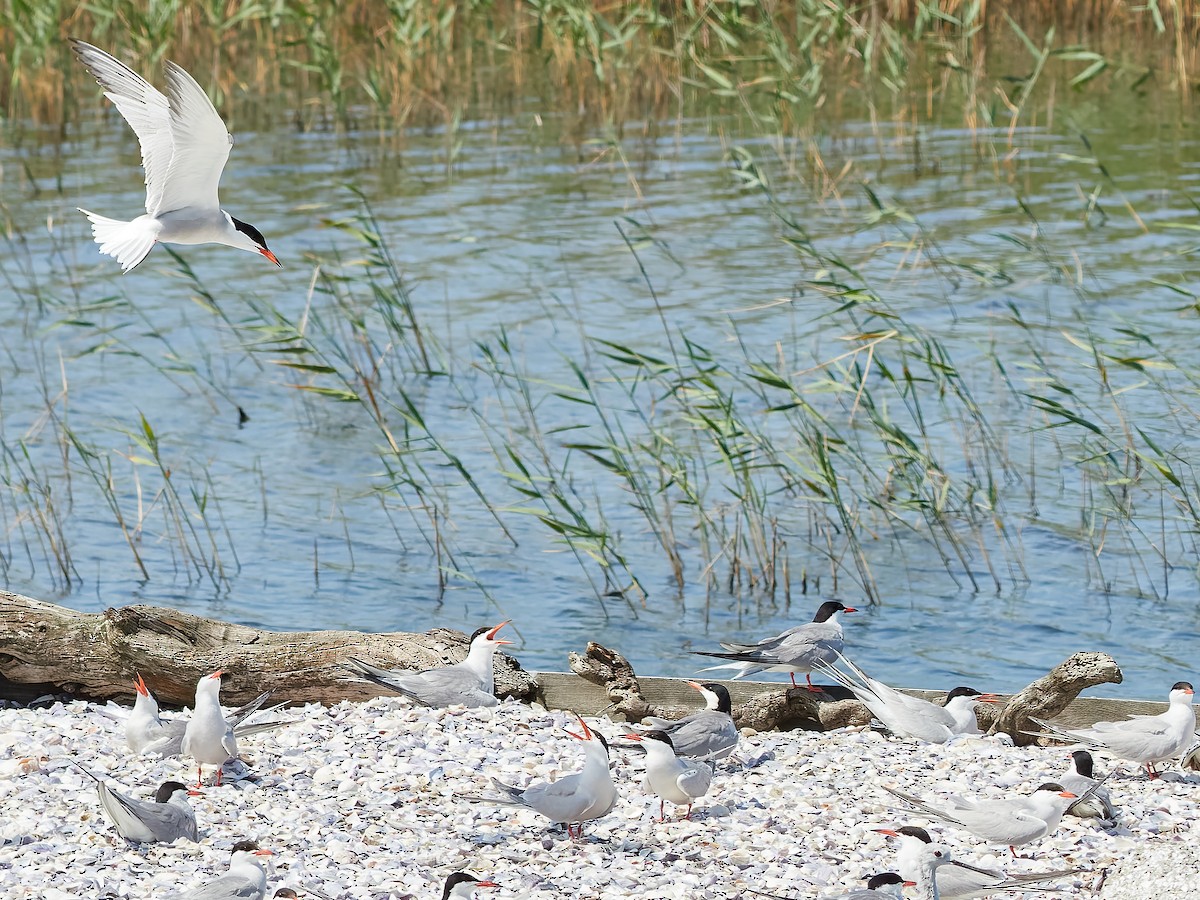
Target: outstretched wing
x,y
201,146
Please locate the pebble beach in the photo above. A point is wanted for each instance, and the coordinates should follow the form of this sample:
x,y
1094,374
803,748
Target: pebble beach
x,y
371,800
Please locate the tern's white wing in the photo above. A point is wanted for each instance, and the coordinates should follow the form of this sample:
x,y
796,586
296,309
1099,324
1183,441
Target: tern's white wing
x,y
200,148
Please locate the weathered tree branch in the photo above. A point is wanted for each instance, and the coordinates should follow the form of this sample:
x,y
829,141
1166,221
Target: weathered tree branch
x,y
1050,694
46,648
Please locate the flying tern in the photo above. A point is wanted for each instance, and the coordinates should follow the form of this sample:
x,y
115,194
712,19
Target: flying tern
x,y
572,799
1010,822
798,649
1145,740
680,781
184,148
908,716
958,882
708,734
246,879
468,683
167,818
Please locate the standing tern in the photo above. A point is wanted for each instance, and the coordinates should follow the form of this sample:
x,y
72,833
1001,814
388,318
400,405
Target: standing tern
x,y
573,799
184,148
908,716
208,737
169,817
462,885
958,882
708,734
147,732
1009,822
1145,740
670,778
798,649
1079,779
468,683
245,880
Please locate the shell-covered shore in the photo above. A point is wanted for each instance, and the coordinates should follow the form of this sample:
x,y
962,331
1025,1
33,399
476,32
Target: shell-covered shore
x,y
372,800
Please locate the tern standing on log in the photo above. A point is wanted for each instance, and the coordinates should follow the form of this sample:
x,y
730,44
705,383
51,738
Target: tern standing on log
x,y
184,149
468,683
798,649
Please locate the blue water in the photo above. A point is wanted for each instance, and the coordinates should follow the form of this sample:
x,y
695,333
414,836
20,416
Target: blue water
x,y
303,526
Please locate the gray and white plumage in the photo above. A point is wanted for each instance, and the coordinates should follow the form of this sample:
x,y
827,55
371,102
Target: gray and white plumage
x,y
184,148
245,880
927,862
908,716
1080,779
883,886
462,885
167,818
707,734
958,882
1145,740
1010,822
573,799
671,779
208,737
796,650
469,683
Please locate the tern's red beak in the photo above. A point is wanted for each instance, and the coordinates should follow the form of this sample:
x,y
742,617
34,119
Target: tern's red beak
x,y
634,737
480,884
217,674
850,609
141,686
261,851
271,256
889,832
1068,795
587,732
491,635
987,698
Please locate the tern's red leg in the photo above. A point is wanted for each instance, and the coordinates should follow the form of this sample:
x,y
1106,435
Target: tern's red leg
x,y
811,687
689,812
199,777
793,674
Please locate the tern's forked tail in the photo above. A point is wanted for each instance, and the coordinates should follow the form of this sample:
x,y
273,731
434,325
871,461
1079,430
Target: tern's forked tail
x,y
126,242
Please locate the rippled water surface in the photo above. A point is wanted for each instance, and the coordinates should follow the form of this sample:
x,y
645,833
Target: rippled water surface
x,y
516,239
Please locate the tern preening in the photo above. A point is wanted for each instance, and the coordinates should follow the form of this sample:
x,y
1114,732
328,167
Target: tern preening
x,y
795,650
184,149
468,683
1141,739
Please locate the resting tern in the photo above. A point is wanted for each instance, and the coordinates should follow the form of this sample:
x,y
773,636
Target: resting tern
x,y
167,818
670,778
907,716
468,683
931,860
245,880
184,148
147,732
208,737
884,886
707,734
1078,779
461,886
1145,740
573,799
798,649
1011,822
958,882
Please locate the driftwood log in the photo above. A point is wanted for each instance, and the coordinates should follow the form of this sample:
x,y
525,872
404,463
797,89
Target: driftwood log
x,y
787,707
49,649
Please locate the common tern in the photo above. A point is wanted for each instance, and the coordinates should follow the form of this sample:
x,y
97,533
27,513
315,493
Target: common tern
x,y
1145,740
184,148
1079,779
708,734
462,885
908,716
167,818
931,859
468,683
146,731
680,781
1010,822
884,886
798,649
958,882
573,799
208,737
246,879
